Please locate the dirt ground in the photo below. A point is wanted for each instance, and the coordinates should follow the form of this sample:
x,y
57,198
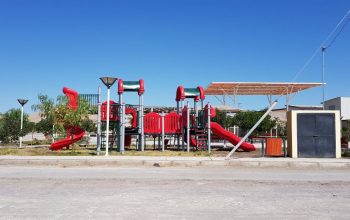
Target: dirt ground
x,y
77,150
173,193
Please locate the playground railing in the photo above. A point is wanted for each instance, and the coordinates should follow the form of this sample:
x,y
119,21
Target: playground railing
x,y
152,123
172,123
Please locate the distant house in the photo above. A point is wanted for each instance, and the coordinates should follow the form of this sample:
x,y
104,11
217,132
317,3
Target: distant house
x,y
34,117
281,113
340,103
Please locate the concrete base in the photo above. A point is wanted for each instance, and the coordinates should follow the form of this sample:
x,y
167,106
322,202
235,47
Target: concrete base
x,y
135,161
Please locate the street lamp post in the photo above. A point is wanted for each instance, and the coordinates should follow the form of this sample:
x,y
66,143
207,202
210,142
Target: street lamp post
x,y
22,102
108,81
98,147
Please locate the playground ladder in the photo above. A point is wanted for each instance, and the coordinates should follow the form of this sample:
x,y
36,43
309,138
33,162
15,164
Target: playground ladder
x,y
202,139
111,137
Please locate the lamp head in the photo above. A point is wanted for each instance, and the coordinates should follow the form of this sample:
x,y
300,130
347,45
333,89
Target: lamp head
x,y
108,81
22,101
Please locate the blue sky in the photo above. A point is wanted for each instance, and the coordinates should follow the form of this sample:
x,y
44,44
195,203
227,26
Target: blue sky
x,y
45,45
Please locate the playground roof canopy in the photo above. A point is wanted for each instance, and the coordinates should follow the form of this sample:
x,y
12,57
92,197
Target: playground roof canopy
x,y
257,88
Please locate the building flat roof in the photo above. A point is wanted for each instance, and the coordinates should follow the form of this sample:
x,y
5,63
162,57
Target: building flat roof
x,y
257,88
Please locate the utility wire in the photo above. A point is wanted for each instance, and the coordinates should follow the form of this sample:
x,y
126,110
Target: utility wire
x,y
342,23
345,22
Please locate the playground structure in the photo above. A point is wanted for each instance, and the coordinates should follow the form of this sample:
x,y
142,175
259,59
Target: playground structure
x,y
74,133
193,124
200,126
189,127
126,121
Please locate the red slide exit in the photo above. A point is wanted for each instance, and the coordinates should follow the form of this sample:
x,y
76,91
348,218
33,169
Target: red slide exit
x,y
74,134
233,139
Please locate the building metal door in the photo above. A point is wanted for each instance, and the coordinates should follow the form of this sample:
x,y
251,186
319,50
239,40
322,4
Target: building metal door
x,y
316,135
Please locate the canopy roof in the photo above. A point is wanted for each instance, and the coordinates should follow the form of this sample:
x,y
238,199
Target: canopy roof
x,y
257,88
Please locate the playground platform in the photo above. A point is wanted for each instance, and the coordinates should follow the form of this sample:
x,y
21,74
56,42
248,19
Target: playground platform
x,y
148,161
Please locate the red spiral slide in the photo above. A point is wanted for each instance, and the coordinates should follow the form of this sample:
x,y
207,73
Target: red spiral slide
x,y
74,133
233,139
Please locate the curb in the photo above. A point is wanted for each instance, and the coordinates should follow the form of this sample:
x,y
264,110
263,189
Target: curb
x,y
125,161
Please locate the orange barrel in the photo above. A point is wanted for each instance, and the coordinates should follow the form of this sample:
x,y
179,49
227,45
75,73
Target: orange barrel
x,y
273,146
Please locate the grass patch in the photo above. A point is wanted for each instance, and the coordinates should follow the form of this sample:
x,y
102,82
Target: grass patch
x,y
166,153
45,151
77,150
90,150
37,142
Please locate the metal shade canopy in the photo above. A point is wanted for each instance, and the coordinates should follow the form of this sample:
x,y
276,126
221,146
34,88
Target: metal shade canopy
x,y
22,101
108,81
257,88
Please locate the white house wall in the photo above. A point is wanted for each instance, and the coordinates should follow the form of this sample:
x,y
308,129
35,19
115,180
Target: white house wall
x,y
345,108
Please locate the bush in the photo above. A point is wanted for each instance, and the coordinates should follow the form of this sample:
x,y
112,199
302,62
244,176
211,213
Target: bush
x,y
223,119
247,119
10,126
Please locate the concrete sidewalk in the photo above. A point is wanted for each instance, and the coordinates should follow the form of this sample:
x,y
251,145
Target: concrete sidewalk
x,y
134,161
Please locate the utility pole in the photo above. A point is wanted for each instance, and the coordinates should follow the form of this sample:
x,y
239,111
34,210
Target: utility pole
x,y
323,49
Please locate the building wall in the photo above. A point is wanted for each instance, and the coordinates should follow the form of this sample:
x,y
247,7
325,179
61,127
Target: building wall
x,y
345,108
333,104
340,103
279,114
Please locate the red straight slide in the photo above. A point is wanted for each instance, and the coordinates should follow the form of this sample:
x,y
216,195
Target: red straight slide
x,y
233,139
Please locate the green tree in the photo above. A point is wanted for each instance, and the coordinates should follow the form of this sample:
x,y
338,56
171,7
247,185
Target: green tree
x,y
88,125
45,126
3,133
247,119
45,106
223,119
66,117
10,125
31,129
282,128
57,117
46,109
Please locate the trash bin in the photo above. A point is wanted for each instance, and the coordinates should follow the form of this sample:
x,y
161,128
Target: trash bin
x,y
273,146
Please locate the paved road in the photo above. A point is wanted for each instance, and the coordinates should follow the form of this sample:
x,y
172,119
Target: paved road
x,y
173,193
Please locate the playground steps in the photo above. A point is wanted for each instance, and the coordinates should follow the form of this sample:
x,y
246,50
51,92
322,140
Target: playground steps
x,y
111,137
201,137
